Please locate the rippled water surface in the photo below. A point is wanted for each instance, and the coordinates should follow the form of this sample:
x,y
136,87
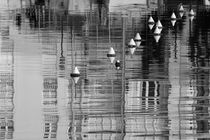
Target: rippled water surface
x,y
161,90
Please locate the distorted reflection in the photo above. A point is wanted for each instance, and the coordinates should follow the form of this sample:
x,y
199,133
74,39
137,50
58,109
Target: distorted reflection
x,y
156,86
7,89
50,85
146,97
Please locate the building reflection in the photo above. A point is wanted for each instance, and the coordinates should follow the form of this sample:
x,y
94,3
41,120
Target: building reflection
x,y
193,85
201,107
6,80
146,97
199,56
95,110
50,85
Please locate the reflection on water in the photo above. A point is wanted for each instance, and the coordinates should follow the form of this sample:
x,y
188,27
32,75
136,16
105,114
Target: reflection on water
x,y
6,80
160,91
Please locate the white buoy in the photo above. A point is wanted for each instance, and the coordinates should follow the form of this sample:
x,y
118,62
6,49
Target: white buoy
x,y
132,43
191,18
151,26
173,16
191,13
157,31
181,8
137,40
173,19
159,25
173,22
181,14
111,54
151,22
75,75
132,50
157,38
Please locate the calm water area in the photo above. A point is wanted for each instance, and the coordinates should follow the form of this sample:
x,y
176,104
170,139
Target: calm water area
x,y
160,91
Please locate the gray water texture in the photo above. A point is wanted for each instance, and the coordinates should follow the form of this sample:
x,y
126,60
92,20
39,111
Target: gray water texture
x,y
160,90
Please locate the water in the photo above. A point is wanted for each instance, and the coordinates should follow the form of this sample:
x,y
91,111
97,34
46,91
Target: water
x,y
160,92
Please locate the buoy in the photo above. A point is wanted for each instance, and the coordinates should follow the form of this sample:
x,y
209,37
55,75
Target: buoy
x,y
132,50
173,16
159,25
191,13
181,8
151,26
117,64
157,38
191,18
173,22
181,14
157,31
111,54
137,40
75,75
151,22
173,19
131,44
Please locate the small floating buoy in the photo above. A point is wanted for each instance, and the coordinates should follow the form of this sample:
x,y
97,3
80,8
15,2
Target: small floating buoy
x,y
151,22
132,43
117,64
132,50
111,54
191,18
159,25
173,16
75,75
173,22
181,8
173,19
137,39
157,38
191,13
181,14
157,31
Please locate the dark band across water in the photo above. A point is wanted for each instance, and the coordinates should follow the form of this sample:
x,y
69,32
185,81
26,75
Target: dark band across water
x,y
75,75
111,55
136,40
151,23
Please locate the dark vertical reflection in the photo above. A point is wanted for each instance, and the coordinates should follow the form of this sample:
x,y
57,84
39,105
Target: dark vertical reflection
x,y
103,11
200,57
201,108
62,57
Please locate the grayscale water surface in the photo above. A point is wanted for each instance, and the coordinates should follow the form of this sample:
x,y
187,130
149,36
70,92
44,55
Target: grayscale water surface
x,y
160,92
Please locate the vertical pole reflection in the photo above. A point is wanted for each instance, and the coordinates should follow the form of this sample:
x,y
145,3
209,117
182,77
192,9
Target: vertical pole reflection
x,y
202,112
72,125
62,58
123,79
